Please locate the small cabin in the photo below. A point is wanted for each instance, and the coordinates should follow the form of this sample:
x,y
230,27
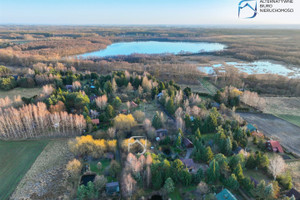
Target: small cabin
x,y
187,143
95,121
112,187
189,164
225,195
161,133
69,88
251,128
293,192
274,146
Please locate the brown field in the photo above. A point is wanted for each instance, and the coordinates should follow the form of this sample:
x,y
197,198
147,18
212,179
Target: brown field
x,y
45,177
23,92
273,127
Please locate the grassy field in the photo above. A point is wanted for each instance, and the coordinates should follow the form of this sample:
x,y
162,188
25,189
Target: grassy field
x,y
15,160
287,108
23,92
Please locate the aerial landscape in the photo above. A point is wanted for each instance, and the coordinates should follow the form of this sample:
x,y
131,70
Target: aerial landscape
x,y
99,102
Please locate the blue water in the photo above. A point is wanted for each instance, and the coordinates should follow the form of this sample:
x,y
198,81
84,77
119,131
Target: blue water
x,y
153,47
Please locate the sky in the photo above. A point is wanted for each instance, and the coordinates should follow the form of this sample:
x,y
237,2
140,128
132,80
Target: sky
x,y
136,12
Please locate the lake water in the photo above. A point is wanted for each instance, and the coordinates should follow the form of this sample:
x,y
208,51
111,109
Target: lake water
x,y
257,67
154,47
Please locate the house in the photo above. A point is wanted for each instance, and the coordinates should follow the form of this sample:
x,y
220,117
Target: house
x,y
225,195
240,150
274,146
110,156
257,134
161,133
159,95
251,128
293,192
187,143
69,88
112,187
133,105
189,164
95,121
93,97
215,105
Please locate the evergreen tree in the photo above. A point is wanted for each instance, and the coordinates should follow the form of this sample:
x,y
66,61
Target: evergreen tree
x,y
238,171
251,163
227,146
213,172
170,106
169,185
179,140
208,154
198,134
232,182
157,121
196,178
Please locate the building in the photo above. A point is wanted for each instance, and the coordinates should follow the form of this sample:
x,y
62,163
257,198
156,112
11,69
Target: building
x,y
95,121
112,187
274,146
225,195
215,105
189,164
251,128
161,133
257,134
69,88
133,105
187,143
293,192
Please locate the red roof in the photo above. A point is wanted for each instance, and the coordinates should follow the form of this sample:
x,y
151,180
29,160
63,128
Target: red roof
x,y
275,146
95,121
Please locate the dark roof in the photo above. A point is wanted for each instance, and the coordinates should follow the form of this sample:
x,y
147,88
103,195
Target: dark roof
x,y
189,163
293,192
225,195
254,181
188,143
112,184
237,150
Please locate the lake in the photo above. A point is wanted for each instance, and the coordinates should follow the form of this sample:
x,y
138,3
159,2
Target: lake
x,y
154,47
257,67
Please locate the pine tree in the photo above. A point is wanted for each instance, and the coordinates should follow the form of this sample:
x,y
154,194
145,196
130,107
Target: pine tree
x,y
208,154
232,182
238,171
198,134
157,121
213,172
169,185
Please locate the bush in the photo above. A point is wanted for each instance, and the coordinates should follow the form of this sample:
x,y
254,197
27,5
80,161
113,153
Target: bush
x,y
139,116
7,83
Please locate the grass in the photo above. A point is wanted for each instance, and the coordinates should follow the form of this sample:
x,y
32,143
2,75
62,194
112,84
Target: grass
x,y
105,164
286,108
258,175
208,86
16,159
23,92
178,192
294,119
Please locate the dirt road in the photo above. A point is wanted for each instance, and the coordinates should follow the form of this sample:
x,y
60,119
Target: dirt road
x,y
288,134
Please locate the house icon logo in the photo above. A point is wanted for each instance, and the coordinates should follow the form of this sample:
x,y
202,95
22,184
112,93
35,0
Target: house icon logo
x,y
247,9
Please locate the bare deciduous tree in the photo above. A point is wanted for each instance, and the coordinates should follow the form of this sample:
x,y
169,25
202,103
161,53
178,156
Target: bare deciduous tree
x,y
277,166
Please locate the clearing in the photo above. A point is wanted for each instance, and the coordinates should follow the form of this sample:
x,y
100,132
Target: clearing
x,y
273,127
15,159
287,108
46,179
23,92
